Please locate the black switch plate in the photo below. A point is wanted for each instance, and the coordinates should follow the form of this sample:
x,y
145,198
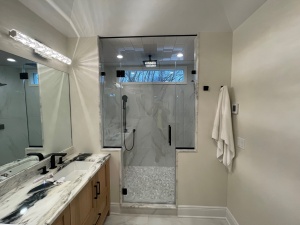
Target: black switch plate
x,y
124,191
1,126
205,88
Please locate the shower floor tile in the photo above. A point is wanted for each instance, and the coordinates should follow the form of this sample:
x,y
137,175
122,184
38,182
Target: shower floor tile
x,y
149,184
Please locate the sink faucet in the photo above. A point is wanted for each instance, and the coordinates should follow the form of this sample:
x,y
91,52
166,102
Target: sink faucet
x,y
40,155
52,159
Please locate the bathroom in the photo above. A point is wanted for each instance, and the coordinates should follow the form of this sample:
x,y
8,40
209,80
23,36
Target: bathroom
x,y
250,47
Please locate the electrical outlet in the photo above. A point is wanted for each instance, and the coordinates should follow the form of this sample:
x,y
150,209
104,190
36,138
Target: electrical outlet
x,y
241,143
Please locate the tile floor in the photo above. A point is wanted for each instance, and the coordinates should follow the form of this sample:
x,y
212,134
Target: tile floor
x,y
146,184
160,220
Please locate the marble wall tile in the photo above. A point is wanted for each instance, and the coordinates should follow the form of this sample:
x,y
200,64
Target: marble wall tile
x,y
14,137
33,112
150,109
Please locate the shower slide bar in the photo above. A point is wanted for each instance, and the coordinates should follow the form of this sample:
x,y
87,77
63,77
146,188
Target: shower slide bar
x,y
170,135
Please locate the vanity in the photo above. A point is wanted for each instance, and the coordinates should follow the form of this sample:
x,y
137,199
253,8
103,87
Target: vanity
x,y
92,204
76,192
43,181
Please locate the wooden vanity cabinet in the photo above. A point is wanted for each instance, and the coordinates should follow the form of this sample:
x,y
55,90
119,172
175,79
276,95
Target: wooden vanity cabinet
x,y
64,218
103,201
92,204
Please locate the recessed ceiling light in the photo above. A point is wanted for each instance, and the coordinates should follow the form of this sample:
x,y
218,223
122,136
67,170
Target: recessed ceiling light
x,y
11,60
119,56
179,55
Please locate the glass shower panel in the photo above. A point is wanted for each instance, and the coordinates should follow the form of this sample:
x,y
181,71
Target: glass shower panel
x,y
149,155
185,110
111,108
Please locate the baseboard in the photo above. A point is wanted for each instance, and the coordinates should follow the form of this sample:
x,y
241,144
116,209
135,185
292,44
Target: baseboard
x,y
201,211
230,218
142,209
181,211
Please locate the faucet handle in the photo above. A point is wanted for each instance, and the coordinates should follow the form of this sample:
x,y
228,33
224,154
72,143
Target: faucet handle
x,y
44,170
60,161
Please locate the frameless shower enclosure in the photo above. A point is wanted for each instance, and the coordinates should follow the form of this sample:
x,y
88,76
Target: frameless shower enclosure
x,y
148,112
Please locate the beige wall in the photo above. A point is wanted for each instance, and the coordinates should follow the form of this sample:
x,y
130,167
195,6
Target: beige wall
x,y
55,109
264,188
202,179
14,15
85,94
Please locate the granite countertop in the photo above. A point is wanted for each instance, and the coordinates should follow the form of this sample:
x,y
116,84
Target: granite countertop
x,y
42,202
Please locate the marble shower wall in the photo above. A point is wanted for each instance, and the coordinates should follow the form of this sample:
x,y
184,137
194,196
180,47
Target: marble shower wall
x,y
14,137
33,112
150,109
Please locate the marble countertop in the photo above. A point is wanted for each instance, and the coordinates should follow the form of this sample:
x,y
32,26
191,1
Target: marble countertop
x,y
40,203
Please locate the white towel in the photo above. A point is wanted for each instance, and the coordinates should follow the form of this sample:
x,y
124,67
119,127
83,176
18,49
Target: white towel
x,y
222,130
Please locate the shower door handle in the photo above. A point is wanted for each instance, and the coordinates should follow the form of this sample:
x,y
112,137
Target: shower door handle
x,y
170,135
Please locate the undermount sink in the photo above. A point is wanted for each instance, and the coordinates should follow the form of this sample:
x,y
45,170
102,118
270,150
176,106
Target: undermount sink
x,y
72,171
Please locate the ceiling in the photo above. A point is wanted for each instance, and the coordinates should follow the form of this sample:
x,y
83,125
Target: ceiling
x,y
87,18
135,50
19,63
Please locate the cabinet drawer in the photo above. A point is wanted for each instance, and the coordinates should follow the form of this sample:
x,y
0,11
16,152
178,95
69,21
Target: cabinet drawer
x,y
102,217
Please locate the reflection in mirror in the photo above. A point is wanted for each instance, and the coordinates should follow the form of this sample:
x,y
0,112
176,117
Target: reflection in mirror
x,y
20,115
34,112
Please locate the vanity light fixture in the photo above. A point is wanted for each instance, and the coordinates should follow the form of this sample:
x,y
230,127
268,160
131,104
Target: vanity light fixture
x,y
179,55
38,47
119,56
11,60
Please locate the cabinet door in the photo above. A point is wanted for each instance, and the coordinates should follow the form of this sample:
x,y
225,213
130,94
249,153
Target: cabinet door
x,y
102,179
64,218
83,207
101,182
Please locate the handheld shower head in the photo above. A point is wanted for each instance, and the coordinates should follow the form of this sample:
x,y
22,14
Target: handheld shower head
x,y
124,98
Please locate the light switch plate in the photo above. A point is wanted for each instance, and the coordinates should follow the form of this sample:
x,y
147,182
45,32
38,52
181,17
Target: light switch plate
x,y
241,143
235,108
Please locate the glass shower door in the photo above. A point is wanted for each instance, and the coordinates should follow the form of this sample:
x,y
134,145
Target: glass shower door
x,y
148,151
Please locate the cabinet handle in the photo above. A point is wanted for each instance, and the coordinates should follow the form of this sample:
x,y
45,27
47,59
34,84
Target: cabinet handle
x,y
99,215
96,197
98,184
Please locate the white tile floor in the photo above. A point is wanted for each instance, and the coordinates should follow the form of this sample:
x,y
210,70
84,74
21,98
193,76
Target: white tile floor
x,y
160,220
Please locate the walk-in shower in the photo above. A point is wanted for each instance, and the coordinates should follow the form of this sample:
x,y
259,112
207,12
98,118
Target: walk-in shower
x,y
148,112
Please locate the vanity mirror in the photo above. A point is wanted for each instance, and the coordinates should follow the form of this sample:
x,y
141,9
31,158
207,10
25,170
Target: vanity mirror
x,y
34,112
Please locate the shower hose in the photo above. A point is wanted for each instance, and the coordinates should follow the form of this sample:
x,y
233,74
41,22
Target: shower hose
x,y
132,142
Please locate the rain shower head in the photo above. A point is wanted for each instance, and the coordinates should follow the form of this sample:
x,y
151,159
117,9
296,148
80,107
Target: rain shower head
x,y
1,84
